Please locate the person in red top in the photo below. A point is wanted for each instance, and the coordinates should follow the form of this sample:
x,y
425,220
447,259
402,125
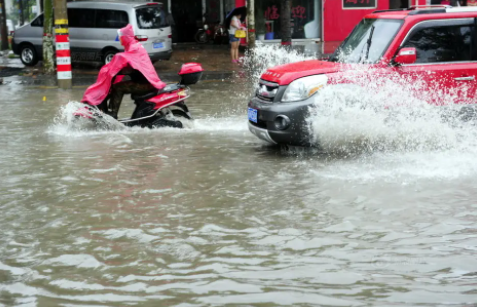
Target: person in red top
x,y
136,61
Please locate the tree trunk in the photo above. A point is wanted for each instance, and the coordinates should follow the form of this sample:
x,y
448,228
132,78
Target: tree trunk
x,y
285,22
251,23
4,30
20,6
48,60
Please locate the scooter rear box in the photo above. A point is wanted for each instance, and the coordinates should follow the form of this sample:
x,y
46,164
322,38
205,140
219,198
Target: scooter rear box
x,y
190,73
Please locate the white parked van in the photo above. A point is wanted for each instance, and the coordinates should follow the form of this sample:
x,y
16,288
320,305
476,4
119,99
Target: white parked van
x,y
10,27
93,30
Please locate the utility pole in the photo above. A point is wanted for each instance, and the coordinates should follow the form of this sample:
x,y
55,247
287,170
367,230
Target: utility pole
x,y
63,57
4,30
20,8
286,22
251,23
48,61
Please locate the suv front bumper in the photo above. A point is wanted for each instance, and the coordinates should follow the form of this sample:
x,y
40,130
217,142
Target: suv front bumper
x,y
296,134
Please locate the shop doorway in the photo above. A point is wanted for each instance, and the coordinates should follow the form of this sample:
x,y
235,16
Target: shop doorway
x,y
187,16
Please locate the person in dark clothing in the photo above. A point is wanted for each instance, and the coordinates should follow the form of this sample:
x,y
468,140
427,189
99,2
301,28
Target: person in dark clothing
x,y
137,85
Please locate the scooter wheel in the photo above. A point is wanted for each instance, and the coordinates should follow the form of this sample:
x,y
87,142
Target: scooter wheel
x,y
163,122
201,37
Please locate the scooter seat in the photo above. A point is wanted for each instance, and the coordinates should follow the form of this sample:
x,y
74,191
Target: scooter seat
x,y
167,89
144,96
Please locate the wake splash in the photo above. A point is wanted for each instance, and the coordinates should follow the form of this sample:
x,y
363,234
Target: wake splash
x,y
77,124
66,124
263,57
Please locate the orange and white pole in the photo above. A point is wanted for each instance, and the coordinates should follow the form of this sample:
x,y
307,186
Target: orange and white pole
x,y
63,56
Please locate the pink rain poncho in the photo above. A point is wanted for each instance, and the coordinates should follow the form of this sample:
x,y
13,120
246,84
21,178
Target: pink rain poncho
x,y
134,56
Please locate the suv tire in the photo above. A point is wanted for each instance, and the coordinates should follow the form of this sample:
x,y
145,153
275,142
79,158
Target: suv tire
x,y
108,56
28,55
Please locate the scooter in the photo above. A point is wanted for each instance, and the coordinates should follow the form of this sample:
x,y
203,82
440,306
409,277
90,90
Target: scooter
x,y
159,108
204,35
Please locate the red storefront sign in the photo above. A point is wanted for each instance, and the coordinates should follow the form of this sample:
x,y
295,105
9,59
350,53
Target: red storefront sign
x,y
339,17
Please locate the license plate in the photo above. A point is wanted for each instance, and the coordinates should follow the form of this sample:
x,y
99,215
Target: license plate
x,y
252,115
158,45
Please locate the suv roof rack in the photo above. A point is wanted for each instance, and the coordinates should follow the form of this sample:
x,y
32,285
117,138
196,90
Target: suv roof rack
x,y
431,9
420,9
390,10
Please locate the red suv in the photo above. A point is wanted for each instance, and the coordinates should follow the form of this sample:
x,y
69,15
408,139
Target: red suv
x,y
435,45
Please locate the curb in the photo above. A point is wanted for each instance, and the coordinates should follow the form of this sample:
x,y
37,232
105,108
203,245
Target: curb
x,y
86,80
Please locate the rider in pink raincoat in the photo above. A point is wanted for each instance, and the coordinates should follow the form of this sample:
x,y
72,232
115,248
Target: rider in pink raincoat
x,y
144,78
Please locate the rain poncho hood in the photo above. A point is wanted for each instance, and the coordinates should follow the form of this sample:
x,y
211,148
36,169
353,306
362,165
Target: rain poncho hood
x,y
135,56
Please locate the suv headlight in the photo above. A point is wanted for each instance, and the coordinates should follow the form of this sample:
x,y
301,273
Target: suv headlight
x,y
303,88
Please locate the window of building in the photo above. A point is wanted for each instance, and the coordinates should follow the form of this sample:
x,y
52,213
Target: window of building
x,y
111,19
442,44
305,18
81,18
399,4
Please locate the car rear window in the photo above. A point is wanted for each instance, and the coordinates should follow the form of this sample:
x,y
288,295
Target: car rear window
x,y
151,17
38,22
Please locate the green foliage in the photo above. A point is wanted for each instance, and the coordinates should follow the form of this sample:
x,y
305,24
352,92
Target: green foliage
x,y
28,15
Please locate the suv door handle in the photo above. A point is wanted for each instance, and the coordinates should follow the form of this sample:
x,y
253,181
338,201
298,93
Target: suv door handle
x,y
465,79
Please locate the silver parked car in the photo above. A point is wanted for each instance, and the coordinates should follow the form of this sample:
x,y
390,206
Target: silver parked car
x,y
93,30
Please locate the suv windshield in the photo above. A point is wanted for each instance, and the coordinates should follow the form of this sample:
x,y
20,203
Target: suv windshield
x,y
151,17
368,41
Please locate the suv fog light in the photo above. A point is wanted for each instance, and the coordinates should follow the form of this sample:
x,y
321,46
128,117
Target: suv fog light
x,y
282,122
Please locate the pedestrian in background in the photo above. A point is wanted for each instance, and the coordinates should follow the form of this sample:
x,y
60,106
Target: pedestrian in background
x,y
235,25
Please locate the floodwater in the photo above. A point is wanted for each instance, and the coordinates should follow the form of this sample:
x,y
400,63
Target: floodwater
x,y
210,215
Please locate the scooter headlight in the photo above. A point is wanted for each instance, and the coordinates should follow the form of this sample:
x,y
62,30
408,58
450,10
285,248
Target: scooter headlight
x,y
303,88
206,27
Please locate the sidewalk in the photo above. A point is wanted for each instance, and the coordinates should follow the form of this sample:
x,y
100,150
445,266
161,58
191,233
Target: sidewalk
x,y
215,60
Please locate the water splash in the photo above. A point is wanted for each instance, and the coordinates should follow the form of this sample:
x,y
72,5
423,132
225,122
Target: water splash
x,y
263,57
386,114
67,119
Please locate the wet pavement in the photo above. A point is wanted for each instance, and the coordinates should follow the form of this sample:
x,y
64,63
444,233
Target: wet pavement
x,y
209,215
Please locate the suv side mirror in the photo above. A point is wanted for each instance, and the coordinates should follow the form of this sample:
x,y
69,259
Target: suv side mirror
x,y
406,56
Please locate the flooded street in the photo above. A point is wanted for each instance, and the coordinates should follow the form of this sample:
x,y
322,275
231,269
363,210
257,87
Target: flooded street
x,y
210,215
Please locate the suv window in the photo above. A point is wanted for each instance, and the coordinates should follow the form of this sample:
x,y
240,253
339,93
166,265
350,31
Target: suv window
x,y
38,22
81,18
368,42
151,17
442,44
111,19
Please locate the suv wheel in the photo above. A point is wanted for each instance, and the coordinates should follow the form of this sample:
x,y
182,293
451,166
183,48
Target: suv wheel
x,y
108,56
28,55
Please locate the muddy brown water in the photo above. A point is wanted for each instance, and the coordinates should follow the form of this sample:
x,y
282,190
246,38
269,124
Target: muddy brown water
x,y
212,216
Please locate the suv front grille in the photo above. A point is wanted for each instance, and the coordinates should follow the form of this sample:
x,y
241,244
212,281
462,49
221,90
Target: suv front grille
x,y
267,90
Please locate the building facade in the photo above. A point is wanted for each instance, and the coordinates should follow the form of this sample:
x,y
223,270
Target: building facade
x,y
324,20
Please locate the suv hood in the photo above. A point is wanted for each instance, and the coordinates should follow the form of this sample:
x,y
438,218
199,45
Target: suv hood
x,y
285,74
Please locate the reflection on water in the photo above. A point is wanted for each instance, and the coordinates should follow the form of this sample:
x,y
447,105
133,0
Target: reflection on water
x,y
211,216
